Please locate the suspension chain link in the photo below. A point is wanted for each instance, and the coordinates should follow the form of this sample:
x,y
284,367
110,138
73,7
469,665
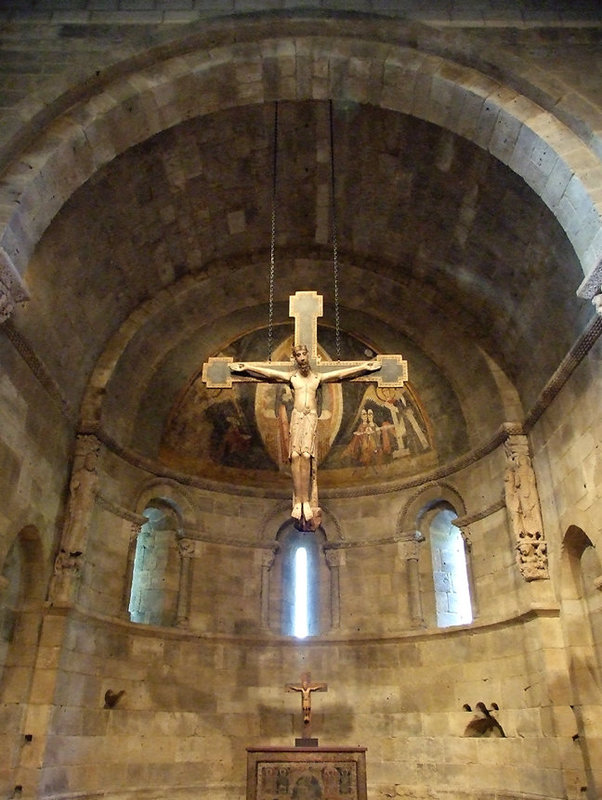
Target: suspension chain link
x,y
335,247
273,235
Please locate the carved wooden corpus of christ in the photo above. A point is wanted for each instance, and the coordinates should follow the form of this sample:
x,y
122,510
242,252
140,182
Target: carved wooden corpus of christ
x,y
305,688
304,375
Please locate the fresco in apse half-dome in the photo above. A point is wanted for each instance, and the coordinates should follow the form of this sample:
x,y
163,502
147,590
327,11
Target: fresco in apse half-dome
x,y
363,430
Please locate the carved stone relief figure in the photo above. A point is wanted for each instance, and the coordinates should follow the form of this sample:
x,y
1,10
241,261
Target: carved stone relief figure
x,y
7,305
522,502
12,290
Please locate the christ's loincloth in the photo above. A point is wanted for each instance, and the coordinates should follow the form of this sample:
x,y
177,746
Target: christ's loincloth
x,y
302,435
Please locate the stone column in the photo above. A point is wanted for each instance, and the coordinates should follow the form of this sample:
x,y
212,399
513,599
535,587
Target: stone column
x,y
186,549
409,549
82,490
135,529
335,559
467,539
268,555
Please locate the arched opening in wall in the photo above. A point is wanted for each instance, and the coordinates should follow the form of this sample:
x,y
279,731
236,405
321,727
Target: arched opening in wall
x,y
581,607
449,558
22,591
155,571
301,585
581,599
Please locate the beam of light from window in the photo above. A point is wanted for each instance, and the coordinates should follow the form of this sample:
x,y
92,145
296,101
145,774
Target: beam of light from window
x,y
300,614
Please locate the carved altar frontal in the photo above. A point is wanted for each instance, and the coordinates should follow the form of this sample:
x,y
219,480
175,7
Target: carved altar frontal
x,y
306,773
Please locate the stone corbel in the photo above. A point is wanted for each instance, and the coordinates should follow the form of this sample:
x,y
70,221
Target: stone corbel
x,y
12,290
597,302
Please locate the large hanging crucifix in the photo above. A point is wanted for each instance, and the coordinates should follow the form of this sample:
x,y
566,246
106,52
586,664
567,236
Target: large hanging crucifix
x,y
304,375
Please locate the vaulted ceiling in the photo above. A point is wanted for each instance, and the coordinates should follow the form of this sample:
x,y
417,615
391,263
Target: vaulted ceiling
x,y
445,254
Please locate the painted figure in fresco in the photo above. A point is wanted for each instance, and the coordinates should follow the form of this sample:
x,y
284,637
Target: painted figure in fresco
x,y
304,385
307,788
360,444
371,443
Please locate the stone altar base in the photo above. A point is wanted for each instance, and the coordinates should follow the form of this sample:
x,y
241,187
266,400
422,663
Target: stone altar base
x,y
306,773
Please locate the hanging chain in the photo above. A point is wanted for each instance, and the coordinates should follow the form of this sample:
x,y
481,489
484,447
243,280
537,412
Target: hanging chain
x,y
273,235
335,248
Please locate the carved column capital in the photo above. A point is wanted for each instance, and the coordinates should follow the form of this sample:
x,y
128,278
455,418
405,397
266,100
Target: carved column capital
x,y
268,554
409,549
135,528
466,536
186,548
334,558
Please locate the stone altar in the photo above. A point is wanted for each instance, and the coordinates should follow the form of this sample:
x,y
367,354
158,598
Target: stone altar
x,y
306,773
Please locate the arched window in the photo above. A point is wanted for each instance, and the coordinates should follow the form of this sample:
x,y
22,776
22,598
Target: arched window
x,y
155,573
581,617
582,613
300,584
450,573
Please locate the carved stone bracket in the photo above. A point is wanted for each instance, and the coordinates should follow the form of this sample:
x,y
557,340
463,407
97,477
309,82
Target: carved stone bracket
x,y
12,290
597,302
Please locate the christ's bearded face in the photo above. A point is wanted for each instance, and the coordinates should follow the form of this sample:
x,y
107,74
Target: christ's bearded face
x,y
300,356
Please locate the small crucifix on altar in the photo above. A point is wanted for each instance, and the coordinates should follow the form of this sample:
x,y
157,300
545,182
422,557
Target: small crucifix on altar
x,y
304,375
305,688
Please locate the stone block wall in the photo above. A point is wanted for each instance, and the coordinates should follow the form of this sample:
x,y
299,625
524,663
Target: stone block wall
x,y
193,703
35,444
567,443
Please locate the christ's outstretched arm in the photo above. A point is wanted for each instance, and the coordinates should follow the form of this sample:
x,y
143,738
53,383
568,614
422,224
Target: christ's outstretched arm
x,y
350,372
263,372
